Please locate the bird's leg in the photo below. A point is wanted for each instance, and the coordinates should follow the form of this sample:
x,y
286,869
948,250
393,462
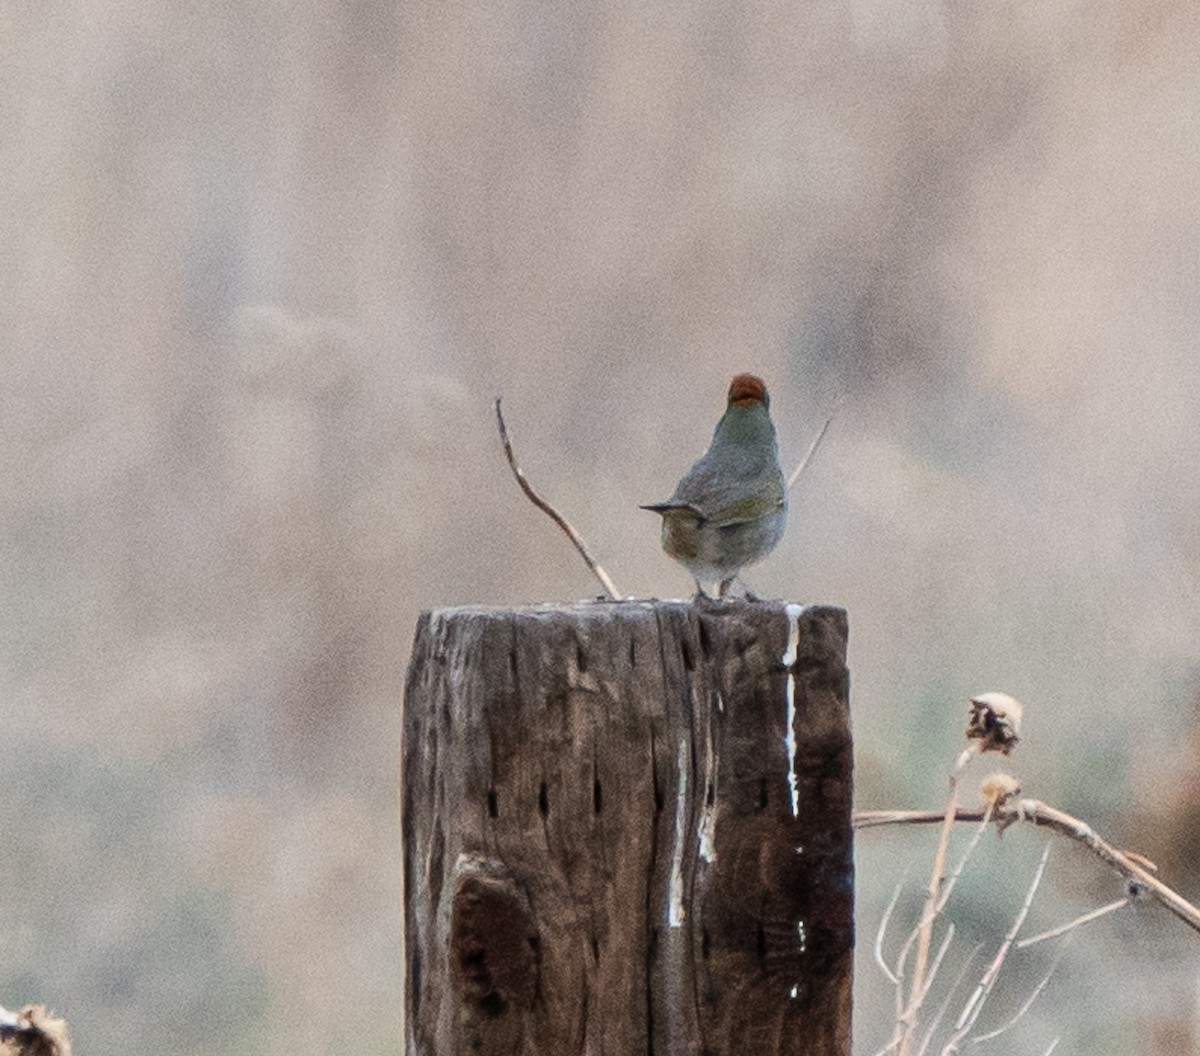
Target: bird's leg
x,y
747,593
723,589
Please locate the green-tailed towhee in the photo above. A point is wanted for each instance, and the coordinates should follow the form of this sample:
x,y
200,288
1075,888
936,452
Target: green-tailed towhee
x,y
730,508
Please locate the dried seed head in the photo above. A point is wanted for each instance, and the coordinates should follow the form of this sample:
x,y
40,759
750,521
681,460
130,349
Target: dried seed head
x,y
995,721
998,788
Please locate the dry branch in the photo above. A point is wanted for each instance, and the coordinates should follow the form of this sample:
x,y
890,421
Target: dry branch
x,y
1027,1004
1079,921
593,565
974,1005
945,1005
812,450
879,934
934,901
1035,812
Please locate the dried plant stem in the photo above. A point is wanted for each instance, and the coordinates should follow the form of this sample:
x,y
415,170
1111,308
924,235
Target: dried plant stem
x,y
1027,1004
962,862
974,1005
1071,925
878,947
812,450
933,904
941,1012
609,587
937,960
1035,812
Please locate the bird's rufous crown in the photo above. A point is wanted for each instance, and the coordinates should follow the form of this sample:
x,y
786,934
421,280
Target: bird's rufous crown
x,y
746,390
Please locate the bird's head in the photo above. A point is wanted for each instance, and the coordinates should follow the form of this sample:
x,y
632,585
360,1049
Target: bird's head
x,y
748,390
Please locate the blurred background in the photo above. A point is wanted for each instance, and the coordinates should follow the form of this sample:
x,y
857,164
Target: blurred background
x,y
263,268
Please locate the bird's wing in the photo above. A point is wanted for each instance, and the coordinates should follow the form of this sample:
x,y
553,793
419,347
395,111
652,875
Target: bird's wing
x,y
667,507
743,510
727,499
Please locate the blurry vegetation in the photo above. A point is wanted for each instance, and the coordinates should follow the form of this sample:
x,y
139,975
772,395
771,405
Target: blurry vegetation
x,y
105,916
265,269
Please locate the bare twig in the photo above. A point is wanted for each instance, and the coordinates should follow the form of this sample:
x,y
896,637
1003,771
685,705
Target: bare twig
x,y
1027,1004
878,948
1035,812
812,450
608,585
941,1012
970,1013
893,1041
935,967
962,862
905,1015
1083,918
877,819
933,904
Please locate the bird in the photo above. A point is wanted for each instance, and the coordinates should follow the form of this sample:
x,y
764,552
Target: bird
x,y
730,509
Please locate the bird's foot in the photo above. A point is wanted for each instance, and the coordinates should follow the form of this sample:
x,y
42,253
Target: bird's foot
x,y
746,593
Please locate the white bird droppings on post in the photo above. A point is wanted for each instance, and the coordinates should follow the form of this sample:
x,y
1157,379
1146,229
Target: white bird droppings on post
x,y
789,658
706,818
675,900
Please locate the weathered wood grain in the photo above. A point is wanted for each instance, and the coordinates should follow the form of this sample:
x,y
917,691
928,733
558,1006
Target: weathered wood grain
x,y
611,844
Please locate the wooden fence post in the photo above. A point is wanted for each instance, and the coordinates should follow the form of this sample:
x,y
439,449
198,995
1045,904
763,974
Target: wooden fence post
x,y
627,830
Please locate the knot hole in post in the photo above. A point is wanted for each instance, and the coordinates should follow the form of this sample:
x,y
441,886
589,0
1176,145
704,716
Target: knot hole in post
x,y
493,944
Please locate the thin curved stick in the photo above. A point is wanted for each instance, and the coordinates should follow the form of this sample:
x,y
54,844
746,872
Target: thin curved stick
x,y
933,902
1035,812
935,967
970,1013
976,836
812,450
610,588
1071,925
1028,1003
877,949
941,1012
